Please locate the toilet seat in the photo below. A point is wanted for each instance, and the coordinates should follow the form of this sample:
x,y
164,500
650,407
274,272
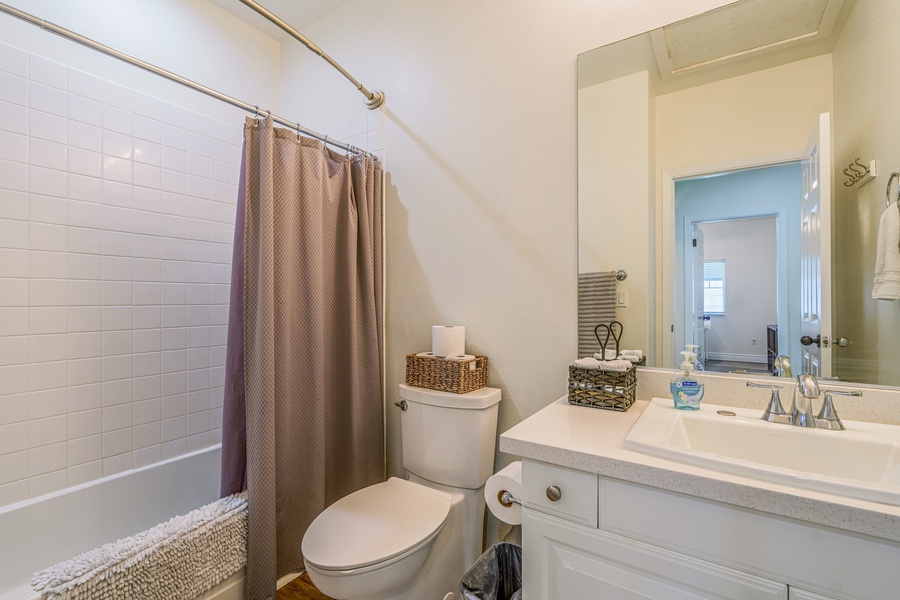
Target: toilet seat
x,y
375,526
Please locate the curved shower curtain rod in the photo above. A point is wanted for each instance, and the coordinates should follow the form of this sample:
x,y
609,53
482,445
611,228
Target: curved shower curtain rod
x,y
376,100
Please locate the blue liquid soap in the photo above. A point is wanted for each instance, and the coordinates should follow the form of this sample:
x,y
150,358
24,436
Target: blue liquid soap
x,y
686,390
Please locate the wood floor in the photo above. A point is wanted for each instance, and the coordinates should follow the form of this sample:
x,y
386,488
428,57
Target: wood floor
x,y
731,366
300,588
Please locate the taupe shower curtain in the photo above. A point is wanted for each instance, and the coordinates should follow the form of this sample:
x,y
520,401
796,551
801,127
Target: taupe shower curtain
x,y
312,339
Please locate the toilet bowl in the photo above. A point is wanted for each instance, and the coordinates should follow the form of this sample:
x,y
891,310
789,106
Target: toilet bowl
x,y
369,544
413,539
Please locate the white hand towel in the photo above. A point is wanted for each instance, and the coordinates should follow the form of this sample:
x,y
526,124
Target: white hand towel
x,y
588,362
615,365
887,261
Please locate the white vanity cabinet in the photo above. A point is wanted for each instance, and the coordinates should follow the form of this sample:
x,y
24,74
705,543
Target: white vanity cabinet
x,y
594,537
564,560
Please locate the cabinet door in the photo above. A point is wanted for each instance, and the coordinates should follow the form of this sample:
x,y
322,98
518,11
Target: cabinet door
x,y
798,594
564,561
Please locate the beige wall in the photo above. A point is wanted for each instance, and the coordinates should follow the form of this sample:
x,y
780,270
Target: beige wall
x,y
759,114
481,160
867,125
192,38
615,154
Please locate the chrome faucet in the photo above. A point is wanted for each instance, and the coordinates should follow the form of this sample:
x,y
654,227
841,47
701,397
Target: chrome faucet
x,y
801,413
781,367
801,408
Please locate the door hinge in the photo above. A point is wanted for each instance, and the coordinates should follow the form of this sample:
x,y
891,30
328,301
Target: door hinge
x,y
695,243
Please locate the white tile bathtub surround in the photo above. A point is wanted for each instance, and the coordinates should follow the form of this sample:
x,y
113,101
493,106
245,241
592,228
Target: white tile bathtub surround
x,y
116,221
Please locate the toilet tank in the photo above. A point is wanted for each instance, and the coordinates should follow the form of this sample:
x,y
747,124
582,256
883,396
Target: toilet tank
x,y
449,438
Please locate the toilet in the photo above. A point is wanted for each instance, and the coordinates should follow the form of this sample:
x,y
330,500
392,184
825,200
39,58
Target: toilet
x,y
414,538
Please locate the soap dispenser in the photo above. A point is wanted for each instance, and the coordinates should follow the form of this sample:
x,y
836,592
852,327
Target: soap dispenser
x,y
686,389
698,366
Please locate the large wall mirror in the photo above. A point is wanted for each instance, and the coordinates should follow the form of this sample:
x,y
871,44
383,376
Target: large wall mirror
x,y
722,165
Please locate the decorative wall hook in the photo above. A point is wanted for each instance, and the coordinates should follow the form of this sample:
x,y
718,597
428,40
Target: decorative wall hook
x,y
859,174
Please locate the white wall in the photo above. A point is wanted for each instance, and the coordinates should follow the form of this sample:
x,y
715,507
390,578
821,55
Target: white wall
x,y
748,248
481,146
117,215
481,155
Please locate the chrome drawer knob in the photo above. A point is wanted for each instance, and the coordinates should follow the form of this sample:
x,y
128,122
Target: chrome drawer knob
x,y
554,493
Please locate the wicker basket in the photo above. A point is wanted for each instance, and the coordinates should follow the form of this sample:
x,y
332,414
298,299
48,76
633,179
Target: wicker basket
x,y
447,375
611,390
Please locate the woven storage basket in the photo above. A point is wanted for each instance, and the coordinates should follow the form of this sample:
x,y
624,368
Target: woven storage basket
x,y
446,375
611,390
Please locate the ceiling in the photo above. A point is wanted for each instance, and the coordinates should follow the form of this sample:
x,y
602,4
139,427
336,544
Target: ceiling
x,y
735,39
740,30
297,13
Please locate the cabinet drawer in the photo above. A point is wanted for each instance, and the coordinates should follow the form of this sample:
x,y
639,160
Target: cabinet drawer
x,y
578,491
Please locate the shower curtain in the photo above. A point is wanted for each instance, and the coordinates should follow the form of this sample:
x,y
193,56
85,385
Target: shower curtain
x,y
304,356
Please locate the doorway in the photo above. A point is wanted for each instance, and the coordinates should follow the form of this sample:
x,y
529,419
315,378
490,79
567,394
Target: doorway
x,y
736,286
749,219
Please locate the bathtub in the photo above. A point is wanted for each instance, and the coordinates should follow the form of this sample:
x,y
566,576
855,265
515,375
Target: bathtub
x,y
46,530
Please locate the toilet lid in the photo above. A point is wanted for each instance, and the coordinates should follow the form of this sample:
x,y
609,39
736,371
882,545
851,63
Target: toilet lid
x,y
374,524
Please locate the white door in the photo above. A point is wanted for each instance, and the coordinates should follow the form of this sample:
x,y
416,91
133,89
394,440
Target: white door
x,y
815,252
697,300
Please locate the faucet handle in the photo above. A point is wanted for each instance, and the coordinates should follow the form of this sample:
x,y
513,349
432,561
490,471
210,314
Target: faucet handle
x,y
775,412
764,386
828,417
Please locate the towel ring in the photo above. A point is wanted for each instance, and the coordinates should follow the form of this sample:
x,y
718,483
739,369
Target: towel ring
x,y
887,191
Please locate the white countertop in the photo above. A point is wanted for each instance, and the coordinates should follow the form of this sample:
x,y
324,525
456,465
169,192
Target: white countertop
x,y
592,440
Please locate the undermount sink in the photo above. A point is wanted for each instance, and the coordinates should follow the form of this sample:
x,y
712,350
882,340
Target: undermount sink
x,y
862,461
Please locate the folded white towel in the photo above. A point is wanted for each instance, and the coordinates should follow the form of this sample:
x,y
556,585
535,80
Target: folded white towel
x,y
588,362
638,353
610,355
887,261
615,365
632,358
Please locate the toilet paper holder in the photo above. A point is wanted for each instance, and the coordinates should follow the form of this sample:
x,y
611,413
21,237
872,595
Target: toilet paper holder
x,y
506,499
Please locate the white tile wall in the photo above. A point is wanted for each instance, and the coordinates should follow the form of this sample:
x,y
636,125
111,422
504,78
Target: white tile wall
x,y
116,221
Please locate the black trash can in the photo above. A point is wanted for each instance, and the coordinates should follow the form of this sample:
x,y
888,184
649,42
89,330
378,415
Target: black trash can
x,y
496,575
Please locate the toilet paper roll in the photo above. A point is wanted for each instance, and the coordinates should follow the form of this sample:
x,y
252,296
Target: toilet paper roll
x,y
425,354
464,357
507,479
448,340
